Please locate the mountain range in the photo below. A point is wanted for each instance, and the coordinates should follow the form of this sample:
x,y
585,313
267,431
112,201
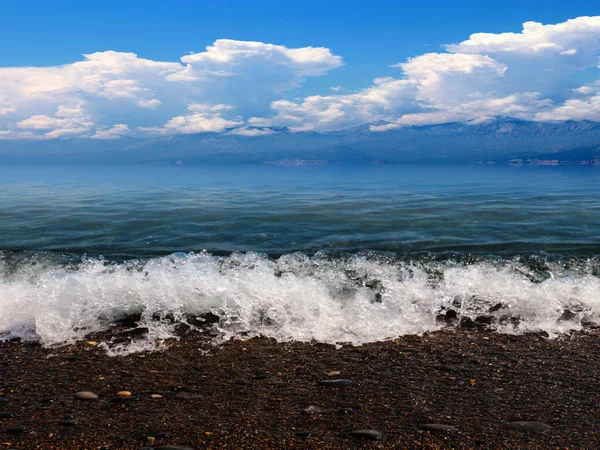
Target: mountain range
x,y
499,139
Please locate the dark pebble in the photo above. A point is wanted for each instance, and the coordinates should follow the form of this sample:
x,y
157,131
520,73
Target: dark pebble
x,y
305,433
161,435
4,401
242,382
6,415
527,426
312,410
260,376
371,435
68,423
16,430
438,427
347,410
338,382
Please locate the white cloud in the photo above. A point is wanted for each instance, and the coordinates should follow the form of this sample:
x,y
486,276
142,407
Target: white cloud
x,y
204,119
525,75
226,58
238,87
579,33
384,127
117,84
67,121
384,100
246,131
115,132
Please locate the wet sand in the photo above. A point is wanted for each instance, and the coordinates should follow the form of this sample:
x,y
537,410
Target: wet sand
x,y
259,394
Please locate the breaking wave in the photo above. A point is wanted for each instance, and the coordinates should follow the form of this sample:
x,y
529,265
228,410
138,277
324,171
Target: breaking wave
x,y
361,298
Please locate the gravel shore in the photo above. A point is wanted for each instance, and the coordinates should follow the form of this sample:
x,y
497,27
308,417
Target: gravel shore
x,y
458,388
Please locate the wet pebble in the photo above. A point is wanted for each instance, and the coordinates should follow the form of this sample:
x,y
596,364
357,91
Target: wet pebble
x,y
16,430
438,427
336,382
4,401
527,426
86,395
6,415
260,376
241,382
371,435
305,433
347,409
312,410
160,435
68,423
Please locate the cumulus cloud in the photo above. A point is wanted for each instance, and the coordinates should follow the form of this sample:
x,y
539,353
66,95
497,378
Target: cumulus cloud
x,y
115,132
251,74
239,87
203,119
67,121
247,131
525,75
384,100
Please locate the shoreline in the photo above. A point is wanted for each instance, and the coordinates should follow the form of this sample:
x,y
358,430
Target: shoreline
x,y
257,393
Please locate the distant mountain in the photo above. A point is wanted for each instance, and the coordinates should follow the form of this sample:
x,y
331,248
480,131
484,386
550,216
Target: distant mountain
x,y
499,139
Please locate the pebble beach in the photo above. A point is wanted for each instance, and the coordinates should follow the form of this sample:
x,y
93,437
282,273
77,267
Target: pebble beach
x,y
456,388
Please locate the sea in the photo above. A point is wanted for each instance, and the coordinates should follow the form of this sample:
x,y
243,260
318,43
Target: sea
x,y
341,254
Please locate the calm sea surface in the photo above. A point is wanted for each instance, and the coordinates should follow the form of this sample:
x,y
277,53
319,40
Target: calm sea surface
x,y
127,211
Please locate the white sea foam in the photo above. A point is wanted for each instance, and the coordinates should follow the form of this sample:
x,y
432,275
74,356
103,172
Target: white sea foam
x,y
346,300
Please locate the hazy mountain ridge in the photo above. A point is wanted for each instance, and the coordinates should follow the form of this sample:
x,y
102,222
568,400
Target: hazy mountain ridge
x,y
499,139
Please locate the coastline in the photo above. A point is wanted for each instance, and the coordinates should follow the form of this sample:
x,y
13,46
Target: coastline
x,y
258,393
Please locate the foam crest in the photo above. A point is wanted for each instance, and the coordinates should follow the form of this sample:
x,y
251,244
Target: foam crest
x,y
358,299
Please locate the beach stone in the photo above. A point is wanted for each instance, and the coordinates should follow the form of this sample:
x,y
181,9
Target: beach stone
x,y
4,401
312,410
333,373
527,426
347,409
335,382
86,395
16,430
6,415
160,435
241,382
305,433
68,423
371,435
438,427
260,376
156,396
123,394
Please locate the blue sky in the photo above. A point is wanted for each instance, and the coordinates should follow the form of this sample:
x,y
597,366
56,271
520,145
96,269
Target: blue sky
x,y
290,85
